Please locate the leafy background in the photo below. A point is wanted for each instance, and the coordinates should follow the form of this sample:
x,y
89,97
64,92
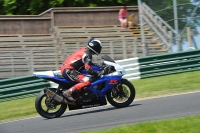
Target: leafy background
x,y
35,7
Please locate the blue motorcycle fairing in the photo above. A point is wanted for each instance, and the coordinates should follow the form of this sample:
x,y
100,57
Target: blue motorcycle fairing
x,y
108,86
104,79
96,68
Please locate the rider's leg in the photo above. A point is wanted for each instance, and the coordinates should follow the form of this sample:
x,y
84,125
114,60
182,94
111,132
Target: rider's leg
x,y
83,81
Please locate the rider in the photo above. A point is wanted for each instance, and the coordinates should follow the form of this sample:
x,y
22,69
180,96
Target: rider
x,y
81,58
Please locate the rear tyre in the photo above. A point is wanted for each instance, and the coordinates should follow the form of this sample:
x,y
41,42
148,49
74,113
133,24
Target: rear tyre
x,y
48,107
121,95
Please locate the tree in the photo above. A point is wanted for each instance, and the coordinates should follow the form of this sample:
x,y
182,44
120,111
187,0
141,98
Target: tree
x,y
34,7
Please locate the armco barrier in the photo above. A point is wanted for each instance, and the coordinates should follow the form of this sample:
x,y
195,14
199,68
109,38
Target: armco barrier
x,y
136,68
159,65
21,87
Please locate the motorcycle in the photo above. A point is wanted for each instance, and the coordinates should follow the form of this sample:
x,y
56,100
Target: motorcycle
x,y
110,88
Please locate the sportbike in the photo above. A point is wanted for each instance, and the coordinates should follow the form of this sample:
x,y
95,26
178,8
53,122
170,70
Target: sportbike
x,y
110,88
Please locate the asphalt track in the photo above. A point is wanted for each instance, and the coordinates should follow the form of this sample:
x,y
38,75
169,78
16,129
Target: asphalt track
x,y
107,116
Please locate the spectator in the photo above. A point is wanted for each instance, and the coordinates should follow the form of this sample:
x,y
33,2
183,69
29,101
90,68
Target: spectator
x,y
130,20
123,17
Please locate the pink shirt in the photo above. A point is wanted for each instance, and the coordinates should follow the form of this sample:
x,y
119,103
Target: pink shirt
x,y
123,14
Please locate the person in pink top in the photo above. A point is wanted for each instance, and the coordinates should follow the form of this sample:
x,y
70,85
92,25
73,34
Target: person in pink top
x,y
123,17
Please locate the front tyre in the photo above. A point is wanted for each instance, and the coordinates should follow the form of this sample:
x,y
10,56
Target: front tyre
x,y
48,107
122,94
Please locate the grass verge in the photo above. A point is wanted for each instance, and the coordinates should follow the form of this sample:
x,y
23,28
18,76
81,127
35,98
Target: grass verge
x,y
176,125
150,87
17,109
167,85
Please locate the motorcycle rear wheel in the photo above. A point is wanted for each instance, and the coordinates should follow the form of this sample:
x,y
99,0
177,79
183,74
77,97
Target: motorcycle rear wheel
x,y
122,95
47,107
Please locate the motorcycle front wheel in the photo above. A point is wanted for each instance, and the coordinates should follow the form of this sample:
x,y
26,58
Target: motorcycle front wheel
x,y
48,107
122,95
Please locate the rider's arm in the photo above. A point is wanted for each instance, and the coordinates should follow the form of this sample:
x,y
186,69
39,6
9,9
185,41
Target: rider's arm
x,y
87,59
120,12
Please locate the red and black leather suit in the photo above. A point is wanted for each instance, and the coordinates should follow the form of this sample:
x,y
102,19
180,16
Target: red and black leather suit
x,y
71,66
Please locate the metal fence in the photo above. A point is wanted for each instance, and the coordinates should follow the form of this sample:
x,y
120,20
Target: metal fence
x,y
179,16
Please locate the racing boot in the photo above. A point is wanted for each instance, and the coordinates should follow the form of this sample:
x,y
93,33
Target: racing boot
x,y
68,94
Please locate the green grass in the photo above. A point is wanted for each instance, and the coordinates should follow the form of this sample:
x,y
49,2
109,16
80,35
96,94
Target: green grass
x,y
166,85
176,125
16,109
150,87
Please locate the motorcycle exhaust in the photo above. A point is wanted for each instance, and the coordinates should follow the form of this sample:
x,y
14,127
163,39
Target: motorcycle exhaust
x,y
57,97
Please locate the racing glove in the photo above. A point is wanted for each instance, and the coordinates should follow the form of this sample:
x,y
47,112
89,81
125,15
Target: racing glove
x,y
105,71
96,74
